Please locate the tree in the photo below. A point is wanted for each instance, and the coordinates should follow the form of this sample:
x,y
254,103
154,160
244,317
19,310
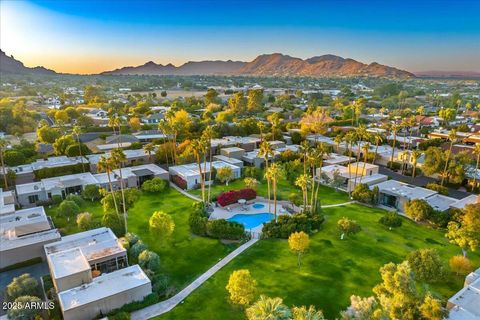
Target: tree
x,y
268,309
426,264
250,183
198,147
415,155
76,132
13,158
432,309
397,293
348,227
3,146
360,309
137,248
84,221
302,313
161,224
273,173
224,175
393,129
149,260
255,98
119,157
418,209
62,143
107,165
303,181
391,219
452,136
241,287
115,222
461,265
21,311
299,243
237,103
154,185
68,208
466,231
434,161
163,94
149,148
47,134
135,124
476,152
266,152
211,96
23,285
362,193
91,192
61,116
378,141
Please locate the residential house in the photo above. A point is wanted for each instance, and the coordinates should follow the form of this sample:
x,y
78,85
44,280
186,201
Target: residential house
x,y
465,304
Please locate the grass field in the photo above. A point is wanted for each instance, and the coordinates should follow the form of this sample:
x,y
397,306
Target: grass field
x,y
332,270
327,195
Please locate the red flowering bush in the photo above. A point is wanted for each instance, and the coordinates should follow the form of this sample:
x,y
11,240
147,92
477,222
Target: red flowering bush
x,y
179,182
231,197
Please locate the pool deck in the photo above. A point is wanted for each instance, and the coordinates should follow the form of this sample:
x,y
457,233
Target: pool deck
x,y
224,213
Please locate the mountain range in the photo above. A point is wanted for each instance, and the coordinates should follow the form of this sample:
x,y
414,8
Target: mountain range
x,y
8,64
275,64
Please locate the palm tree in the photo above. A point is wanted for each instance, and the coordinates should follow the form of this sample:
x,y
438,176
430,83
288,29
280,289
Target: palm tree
x,y
378,140
415,155
149,148
476,151
304,150
107,165
166,130
360,134
119,157
273,173
3,146
261,126
350,139
266,151
198,149
452,136
393,129
268,309
302,182
207,135
366,148
321,151
76,132
338,140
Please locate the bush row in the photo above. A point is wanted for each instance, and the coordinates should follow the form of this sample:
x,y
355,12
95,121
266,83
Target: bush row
x,y
231,197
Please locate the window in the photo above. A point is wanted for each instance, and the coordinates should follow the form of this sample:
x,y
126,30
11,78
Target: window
x,y
33,198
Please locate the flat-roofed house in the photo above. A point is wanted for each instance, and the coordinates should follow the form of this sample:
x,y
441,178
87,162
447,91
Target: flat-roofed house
x,y
7,202
233,152
133,157
188,175
352,175
105,293
91,275
235,162
29,194
465,304
133,177
23,234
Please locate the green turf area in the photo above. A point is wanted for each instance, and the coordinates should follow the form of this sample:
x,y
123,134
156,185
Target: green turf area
x,y
332,270
184,256
327,195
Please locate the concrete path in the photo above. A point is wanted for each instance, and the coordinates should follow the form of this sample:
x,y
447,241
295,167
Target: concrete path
x,y
167,305
185,193
339,204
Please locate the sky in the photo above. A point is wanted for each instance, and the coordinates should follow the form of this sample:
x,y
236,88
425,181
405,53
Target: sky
x,y
93,36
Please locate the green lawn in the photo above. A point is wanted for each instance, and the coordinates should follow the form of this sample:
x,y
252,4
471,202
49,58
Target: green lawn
x,y
332,270
327,195
183,256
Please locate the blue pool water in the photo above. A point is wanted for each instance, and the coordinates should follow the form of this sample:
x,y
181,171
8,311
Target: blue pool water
x,y
251,220
258,206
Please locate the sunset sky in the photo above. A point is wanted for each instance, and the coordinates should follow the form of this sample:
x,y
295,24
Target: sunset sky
x,y
94,36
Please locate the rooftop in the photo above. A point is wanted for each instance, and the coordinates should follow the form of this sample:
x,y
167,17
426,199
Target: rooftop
x,y
68,262
467,302
61,182
103,286
397,188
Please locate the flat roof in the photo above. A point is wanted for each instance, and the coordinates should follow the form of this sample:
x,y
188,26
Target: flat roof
x,y
397,188
129,154
467,300
227,159
460,204
104,286
440,202
61,182
68,262
95,244
233,149
361,164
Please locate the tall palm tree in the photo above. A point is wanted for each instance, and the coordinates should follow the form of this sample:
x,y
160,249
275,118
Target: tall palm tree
x,y
107,165
268,309
415,155
393,129
198,149
366,148
273,174
452,136
148,148
261,126
350,139
266,151
322,150
207,135
338,140
476,151
76,132
119,157
304,150
3,146
360,135
378,140
302,182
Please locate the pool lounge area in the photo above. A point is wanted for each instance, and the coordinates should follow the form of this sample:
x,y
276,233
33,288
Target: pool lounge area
x,y
252,215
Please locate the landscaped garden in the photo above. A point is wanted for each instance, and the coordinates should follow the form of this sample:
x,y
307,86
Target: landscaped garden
x,y
331,271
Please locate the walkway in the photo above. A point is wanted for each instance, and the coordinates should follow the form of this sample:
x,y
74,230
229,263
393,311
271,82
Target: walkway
x,y
339,204
167,305
185,193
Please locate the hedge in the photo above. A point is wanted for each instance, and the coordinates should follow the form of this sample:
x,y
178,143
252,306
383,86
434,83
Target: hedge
x,y
287,224
223,229
182,184
231,197
59,171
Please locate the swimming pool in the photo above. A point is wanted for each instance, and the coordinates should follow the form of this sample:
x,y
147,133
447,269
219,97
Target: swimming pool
x,y
258,206
251,221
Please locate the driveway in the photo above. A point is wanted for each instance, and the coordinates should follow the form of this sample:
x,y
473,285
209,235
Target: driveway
x,y
37,271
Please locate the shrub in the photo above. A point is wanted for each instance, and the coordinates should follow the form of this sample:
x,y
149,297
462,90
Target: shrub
x,y
57,171
77,199
198,222
68,208
84,221
149,260
391,219
20,311
286,225
56,199
182,184
23,285
436,187
460,265
251,172
154,185
131,196
132,238
231,197
223,229
91,192
137,248
394,165
418,209
115,222
347,226
161,223
426,264
363,194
